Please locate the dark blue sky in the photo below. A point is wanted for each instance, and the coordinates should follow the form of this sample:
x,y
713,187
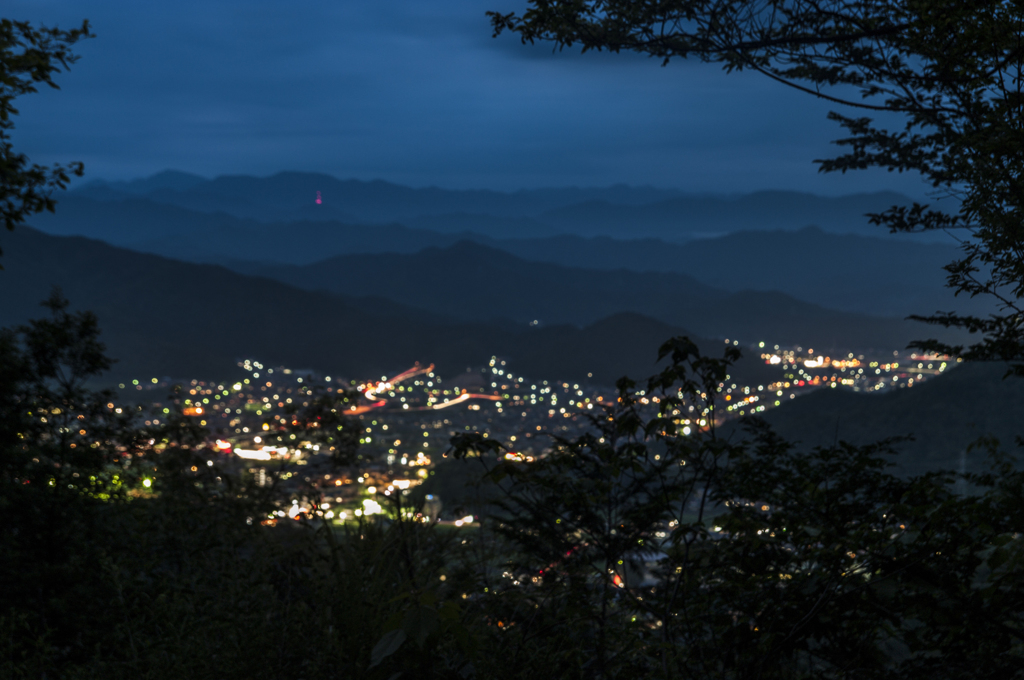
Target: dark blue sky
x,y
412,91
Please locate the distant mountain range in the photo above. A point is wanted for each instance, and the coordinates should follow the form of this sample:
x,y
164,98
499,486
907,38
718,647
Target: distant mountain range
x,y
474,282
619,211
192,236
291,196
868,275
161,317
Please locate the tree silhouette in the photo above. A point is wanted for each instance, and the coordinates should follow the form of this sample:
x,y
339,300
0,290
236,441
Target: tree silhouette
x,y
28,57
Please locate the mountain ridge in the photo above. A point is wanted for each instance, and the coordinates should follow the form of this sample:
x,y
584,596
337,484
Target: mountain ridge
x,y
161,317
474,281
616,210
862,274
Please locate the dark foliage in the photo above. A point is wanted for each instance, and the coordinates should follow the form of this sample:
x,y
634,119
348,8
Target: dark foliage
x,y
640,551
30,56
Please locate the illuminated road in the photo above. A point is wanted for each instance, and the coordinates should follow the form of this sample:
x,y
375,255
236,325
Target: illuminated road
x,y
465,396
357,410
373,392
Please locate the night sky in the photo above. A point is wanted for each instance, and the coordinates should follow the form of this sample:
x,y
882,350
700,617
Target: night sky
x,y
411,91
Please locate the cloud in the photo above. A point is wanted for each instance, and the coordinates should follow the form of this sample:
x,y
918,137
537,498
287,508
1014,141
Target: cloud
x,y
413,91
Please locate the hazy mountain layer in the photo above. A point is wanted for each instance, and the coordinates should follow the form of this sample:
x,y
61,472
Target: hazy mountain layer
x,y
838,271
283,195
193,236
693,216
867,275
620,211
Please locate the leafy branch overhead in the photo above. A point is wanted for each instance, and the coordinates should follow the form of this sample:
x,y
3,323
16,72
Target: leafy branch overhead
x,y
29,57
950,71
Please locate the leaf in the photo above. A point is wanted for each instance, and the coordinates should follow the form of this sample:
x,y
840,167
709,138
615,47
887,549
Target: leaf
x,y
387,646
998,558
449,611
419,623
497,474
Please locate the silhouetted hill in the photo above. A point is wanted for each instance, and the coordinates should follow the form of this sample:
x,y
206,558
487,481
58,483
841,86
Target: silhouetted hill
x,y
472,281
162,317
944,415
